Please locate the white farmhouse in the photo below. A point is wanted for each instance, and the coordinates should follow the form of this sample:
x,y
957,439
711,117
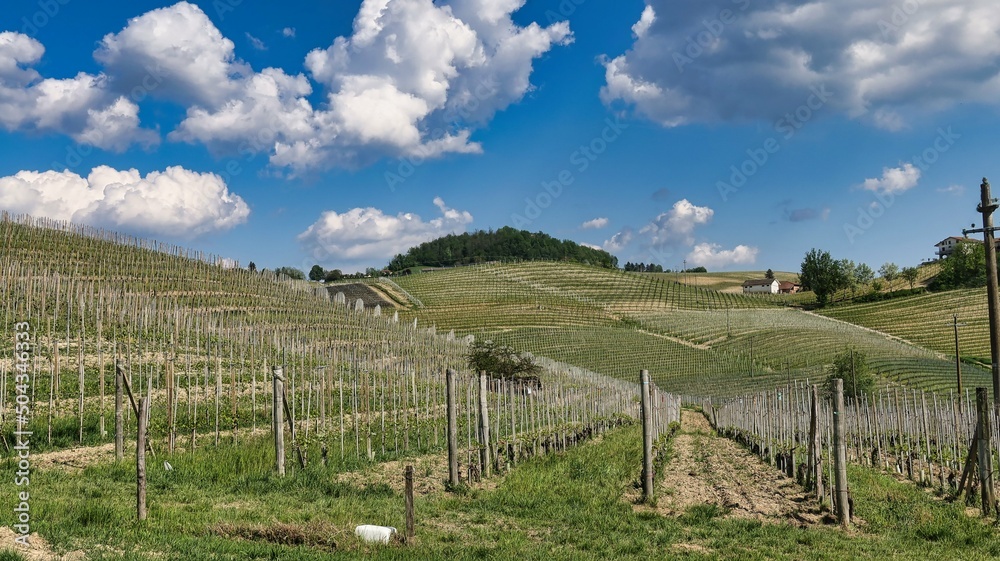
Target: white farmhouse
x,y
946,246
760,286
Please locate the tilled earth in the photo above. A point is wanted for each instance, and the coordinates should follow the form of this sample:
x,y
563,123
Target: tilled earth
x,y
709,470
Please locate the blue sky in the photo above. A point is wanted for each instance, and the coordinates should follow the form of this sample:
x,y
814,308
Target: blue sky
x,y
731,134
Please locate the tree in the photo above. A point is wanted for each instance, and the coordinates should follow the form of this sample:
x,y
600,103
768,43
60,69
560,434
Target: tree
x,y
291,272
252,267
890,272
769,274
910,275
500,361
852,367
821,274
316,273
863,274
847,268
334,275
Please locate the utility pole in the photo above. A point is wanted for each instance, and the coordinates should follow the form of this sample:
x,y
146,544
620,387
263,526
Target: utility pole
x,y
986,206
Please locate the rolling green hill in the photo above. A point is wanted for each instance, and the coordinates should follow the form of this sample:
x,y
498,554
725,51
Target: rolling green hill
x,y
692,339
927,320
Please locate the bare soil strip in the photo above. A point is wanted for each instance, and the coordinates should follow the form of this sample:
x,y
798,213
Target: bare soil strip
x,y
709,470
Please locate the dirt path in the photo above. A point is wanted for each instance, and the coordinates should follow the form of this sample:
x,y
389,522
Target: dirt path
x,y
707,469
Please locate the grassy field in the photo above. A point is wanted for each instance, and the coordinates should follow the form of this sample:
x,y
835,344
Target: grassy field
x,y
725,281
224,504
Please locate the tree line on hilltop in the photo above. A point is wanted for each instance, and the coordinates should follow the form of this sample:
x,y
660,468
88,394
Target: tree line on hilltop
x,y
505,244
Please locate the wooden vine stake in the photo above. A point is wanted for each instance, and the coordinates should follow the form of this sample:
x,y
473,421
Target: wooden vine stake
x,y
119,429
278,422
484,425
452,428
840,456
142,417
815,445
985,451
410,523
647,438
171,429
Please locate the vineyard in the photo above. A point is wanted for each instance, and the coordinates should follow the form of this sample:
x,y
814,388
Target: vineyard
x,y
200,340
927,320
694,340
110,339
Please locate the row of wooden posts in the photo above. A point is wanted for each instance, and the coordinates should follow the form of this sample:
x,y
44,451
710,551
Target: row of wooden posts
x,y
940,442
658,410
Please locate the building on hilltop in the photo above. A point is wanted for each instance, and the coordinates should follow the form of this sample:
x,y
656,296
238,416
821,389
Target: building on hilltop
x,y
947,245
760,286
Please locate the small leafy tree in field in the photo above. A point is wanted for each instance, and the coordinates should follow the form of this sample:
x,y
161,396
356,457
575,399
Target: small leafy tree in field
x,y
822,274
910,275
500,361
316,273
863,274
769,275
334,275
252,267
890,272
852,367
847,270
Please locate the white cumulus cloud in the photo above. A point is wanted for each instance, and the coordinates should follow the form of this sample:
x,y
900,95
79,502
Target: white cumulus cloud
x,y
594,224
176,53
618,241
415,78
645,21
174,202
883,61
82,107
364,236
676,226
713,256
894,180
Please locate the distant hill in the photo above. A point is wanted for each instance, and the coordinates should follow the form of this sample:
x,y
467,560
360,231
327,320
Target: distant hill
x,y
506,244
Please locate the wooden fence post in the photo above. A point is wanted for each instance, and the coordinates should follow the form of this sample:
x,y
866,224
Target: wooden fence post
x,y
171,429
815,445
985,451
484,425
840,454
140,458
119,428
452,428
408,478
647,439
277,424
